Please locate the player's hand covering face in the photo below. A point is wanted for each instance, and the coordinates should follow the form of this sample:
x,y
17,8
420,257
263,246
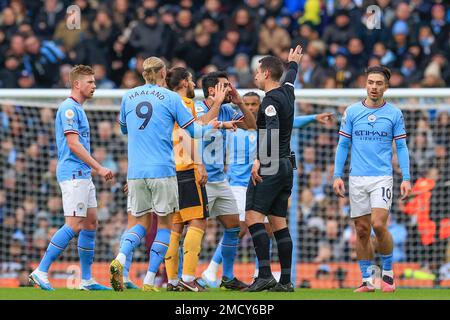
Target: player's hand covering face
x,y
227,87
235,96
219,93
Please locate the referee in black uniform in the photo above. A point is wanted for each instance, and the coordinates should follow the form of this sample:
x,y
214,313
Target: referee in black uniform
x,y
268,194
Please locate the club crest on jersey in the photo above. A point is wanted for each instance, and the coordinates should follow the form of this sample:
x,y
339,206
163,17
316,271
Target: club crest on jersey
x,y
270,111
372,118
69,114
80,207
252,137
198,109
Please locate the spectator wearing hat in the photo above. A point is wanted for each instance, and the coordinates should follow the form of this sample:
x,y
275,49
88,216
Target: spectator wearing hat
x,y
399,43
404,12
26,80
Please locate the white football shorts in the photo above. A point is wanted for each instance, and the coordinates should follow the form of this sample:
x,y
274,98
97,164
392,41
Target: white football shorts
x,y
221,200
369,192
159,195
77,196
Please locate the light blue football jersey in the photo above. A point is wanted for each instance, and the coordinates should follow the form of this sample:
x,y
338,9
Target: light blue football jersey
x,y
214,142
372,131
241,148
149,113
71,118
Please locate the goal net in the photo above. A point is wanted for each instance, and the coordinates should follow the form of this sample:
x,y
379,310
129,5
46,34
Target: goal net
x,y
323,234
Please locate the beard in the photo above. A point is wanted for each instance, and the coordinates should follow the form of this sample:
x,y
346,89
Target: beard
x,y
190,94
227,98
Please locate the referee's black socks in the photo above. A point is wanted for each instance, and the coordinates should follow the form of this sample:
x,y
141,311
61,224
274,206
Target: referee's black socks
x,y
284,244
261,243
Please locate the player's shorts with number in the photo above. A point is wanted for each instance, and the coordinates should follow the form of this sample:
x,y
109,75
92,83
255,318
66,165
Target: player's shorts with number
x,y
158,195
193,200
77,196
221,200
369,192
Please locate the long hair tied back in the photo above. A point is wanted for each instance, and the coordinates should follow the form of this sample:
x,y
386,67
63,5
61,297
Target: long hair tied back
x,y
151,68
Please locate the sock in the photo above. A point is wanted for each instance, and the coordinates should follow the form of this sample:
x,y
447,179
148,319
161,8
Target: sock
x,y
191,250
229,244
255,275
284,244
131,239
180,259
57,244
171,259
86,245
216,260
173,282
217,257
157,253
261,244
150,278
127,264
364,266
387,262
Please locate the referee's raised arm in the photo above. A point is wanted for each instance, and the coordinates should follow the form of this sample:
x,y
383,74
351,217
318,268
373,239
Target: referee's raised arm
x,y
294,58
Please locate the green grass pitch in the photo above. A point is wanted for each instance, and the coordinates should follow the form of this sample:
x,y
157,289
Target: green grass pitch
x,y
217,294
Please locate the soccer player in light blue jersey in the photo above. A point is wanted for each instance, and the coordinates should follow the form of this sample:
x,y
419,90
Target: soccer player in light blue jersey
x,y
222,204
74,176
147,116
372,126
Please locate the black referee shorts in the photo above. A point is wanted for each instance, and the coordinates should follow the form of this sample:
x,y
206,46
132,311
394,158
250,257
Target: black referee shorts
x,y
271,196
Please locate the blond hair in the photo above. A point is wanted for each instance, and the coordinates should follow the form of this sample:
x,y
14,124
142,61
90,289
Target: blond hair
x,y
78,71
151,68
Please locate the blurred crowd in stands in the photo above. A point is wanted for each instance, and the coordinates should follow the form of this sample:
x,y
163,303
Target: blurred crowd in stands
x,y
37,51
